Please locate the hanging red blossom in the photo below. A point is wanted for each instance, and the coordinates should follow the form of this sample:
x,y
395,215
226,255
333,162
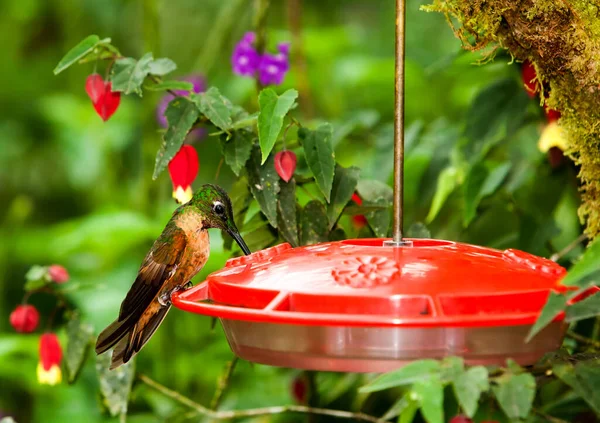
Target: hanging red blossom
x,y
551,114
285,164
24,318
48,370
58,273
299,389
105,101
183,169
529,76
359,219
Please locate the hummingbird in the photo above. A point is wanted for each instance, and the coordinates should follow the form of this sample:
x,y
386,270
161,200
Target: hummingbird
x,y
178,254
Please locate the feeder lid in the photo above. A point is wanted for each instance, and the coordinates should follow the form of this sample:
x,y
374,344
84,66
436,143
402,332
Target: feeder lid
x,y
360,282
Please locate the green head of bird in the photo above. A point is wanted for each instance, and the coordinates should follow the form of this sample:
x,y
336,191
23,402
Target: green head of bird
x,y
215,206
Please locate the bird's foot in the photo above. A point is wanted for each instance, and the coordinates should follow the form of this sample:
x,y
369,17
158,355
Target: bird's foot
x,y
165,299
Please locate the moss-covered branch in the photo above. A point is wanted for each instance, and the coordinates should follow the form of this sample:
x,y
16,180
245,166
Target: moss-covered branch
x,y
562,39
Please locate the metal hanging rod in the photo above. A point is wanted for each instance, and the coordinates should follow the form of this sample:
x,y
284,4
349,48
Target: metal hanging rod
x,y
399,125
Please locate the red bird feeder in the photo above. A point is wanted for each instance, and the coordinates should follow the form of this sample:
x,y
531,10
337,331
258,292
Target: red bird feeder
x,y
360,306
371,305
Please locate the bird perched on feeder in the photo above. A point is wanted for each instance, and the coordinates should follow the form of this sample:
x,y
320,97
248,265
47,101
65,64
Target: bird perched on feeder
x,y
177,255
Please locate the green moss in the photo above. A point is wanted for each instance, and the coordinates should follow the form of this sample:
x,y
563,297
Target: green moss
x,y
562,39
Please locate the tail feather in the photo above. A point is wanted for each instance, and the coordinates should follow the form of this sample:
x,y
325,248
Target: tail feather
x,y
130,340
112,334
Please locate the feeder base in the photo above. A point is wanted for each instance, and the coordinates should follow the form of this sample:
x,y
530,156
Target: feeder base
x,y
375,350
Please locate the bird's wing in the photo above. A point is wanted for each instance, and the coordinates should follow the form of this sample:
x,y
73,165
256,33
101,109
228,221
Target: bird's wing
x,y
158,266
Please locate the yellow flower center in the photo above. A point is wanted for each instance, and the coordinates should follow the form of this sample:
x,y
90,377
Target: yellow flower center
x,y
51,377
183,196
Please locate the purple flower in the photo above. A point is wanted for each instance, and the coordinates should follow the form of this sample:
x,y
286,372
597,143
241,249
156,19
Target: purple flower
x,y
245,59
199,86
272,68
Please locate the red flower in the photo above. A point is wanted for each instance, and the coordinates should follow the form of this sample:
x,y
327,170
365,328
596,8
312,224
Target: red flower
x,y
551,114
529,76
105,101
58,273
24,318
299,388
285,164
359,219
461,419
183,169
48,370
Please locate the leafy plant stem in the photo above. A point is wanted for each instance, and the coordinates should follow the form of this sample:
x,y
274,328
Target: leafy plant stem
x,y
569,248
223,383
260,24
287,128
158,80
263,411
584,340
548,417
299,57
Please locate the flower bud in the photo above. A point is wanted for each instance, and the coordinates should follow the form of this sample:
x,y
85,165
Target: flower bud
x,y
285,164
24,318
58,273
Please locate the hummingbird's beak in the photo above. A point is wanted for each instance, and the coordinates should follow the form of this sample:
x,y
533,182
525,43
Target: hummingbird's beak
x,y
238,238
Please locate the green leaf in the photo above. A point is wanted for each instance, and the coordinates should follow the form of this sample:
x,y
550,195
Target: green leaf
x,y
81,50
371,190
408,415
264,184
36,273
418,230
115,385
515,394
237,149
162,66
451,368
479,183
409,374
344,185
584,309
215,107
286,212
380,221
398,408
586,269
79,338
377,194
181,114
554,305
36,277
257,233
314,223
273,109
128,74
584,378
430,394
353,210
240,200
497,110
447,182
468,388
171,85
319,156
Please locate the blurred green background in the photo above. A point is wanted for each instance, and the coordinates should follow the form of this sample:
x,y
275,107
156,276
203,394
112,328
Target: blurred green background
x,y
78,192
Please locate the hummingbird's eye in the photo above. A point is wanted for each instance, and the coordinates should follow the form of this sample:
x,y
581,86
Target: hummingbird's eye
x,y
218,208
